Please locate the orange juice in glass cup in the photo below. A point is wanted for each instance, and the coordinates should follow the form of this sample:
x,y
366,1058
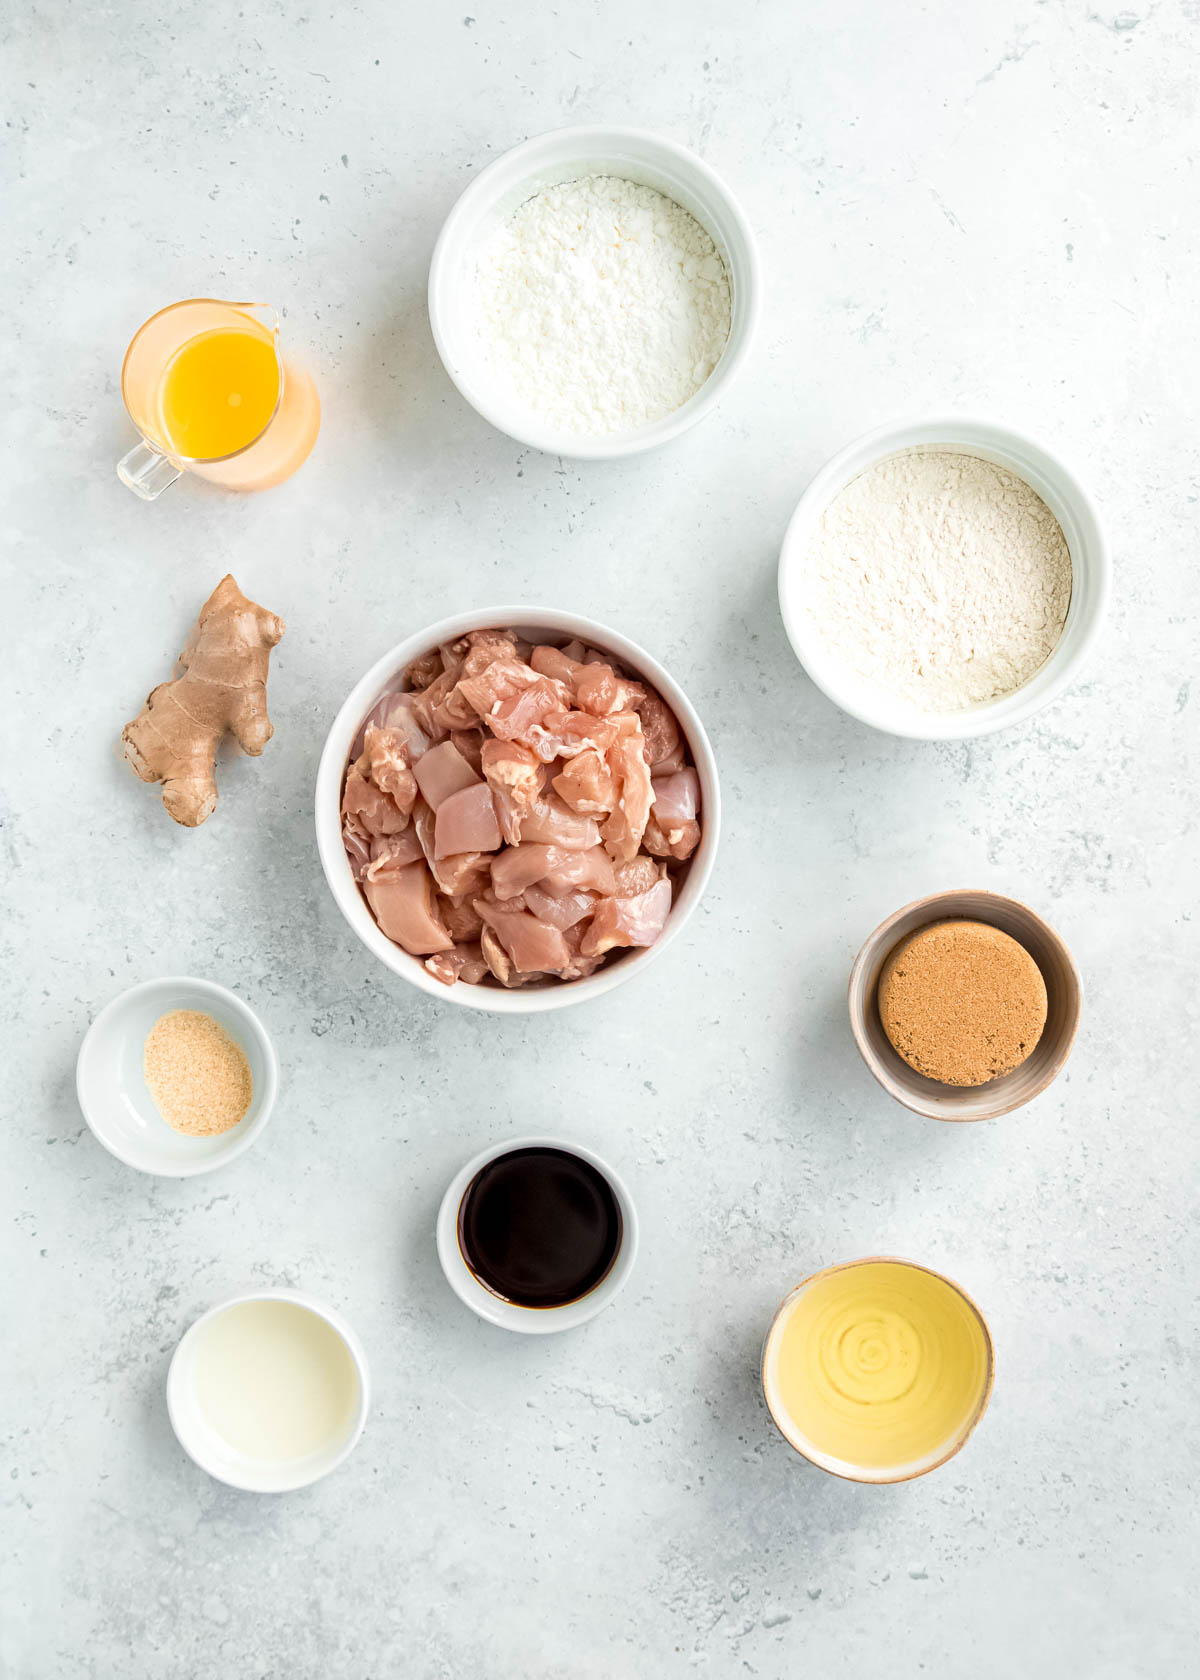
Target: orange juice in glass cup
x,y
205,384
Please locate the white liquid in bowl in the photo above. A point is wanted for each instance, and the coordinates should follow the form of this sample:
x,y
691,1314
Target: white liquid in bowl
x,y
275,1381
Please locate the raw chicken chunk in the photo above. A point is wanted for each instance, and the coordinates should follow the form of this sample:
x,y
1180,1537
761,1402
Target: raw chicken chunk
x,y
527,717
596,686
557,825
586,784
469,745
516,778
676,797
513,768
482,646
622,831
393,851
503,680
564,734
602,691
672,830
499,962
571,869
421,672
398,712
403,905
518,867
457,873
630,879
377,812
385,761
628,921
357,842
579,965
464,962
562,912
427,704
555,662
454,713
678,841
460,916
533,947
664,748
443,771
466,822
521,812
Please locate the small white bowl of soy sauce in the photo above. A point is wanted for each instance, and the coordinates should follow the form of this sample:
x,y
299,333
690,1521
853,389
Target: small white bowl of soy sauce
x,y
537,1235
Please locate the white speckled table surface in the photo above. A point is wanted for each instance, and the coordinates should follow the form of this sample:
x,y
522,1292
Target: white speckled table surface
x,y
984,207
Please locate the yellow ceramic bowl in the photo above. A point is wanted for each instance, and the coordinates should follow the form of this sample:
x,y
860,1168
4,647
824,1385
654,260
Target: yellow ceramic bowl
x,y
877,1370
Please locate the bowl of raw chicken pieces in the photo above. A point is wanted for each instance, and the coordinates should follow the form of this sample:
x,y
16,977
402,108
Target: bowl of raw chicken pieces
x,y
517,809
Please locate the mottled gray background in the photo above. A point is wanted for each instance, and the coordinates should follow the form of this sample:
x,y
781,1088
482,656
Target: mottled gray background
x,y
984,206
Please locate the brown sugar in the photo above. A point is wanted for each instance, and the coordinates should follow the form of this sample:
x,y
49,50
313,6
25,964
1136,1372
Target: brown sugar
x,y
962,1002
197,1074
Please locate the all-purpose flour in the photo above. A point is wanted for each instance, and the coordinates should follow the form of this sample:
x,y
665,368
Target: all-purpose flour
x,y
942,579
602,305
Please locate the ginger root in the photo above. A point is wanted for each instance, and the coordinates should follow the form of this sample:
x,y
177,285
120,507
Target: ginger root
x,y
221,687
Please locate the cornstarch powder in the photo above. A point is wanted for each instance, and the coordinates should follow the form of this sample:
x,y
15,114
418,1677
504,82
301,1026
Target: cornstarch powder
x,y
602,305
941,578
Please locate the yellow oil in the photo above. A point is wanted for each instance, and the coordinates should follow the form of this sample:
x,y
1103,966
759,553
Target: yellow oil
x,y
219,391
880,1365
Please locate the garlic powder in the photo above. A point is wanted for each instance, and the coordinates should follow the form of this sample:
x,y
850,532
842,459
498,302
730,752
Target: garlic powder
x,y
601,306
197,1074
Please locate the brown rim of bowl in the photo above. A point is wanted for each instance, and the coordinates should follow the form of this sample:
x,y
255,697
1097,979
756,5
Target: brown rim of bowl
x,y
941,905
887,1260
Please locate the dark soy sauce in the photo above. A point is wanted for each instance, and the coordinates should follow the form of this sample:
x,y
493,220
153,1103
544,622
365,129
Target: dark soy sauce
x,y
539,1227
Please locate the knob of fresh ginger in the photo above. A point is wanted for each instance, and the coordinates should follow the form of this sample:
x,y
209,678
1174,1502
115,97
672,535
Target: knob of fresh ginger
x,y
221,687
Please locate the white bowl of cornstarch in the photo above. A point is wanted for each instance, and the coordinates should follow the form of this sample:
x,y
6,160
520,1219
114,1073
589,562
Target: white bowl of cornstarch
x,y
594,292
943,578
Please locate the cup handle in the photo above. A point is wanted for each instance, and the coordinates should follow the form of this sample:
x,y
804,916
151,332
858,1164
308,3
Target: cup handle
x,y
147,471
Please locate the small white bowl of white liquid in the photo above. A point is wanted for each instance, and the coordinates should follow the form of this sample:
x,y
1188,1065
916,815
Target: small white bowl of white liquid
x,y
268,1391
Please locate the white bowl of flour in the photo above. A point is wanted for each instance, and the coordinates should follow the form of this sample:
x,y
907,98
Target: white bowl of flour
x,y
943,578
594,291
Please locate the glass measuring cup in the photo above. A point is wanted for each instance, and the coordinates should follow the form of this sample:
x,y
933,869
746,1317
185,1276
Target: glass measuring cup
x,y
164,374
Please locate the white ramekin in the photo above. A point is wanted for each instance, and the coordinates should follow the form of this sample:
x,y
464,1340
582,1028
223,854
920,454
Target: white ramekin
x,y
207,1449
116,1100
1064,496
543,162
380,678
533,1321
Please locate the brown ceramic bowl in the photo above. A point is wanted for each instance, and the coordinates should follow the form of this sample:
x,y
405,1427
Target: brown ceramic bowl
x,y
1011,1090
875,1474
